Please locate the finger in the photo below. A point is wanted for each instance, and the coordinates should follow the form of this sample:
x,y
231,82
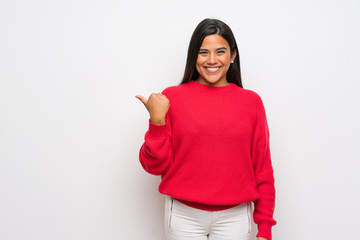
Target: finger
x,y
142,99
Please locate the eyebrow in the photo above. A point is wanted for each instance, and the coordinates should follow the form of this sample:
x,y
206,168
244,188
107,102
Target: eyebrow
x,y
222,48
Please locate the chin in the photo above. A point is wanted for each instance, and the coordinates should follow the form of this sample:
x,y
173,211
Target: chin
x,y
213,81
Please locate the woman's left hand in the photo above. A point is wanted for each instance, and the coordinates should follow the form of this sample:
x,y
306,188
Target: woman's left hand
x,y
261,238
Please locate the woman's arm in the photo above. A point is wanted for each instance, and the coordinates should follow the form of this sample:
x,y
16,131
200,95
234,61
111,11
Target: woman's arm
x,y
265,204
156,153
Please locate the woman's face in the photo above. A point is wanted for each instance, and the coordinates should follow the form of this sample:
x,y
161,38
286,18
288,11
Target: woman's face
x,y
214,60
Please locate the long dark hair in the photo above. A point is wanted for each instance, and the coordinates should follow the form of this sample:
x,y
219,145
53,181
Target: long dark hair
x,y
209,27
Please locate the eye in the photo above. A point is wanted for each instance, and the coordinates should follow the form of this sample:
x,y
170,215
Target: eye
x,y
221,52
202,53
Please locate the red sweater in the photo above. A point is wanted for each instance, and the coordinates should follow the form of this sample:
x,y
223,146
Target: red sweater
x,y
214,150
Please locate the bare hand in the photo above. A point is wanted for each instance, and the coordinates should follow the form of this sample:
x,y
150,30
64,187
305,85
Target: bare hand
x,y
157,106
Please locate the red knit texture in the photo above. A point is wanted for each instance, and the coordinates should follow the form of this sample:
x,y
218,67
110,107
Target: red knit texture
x,y
214,150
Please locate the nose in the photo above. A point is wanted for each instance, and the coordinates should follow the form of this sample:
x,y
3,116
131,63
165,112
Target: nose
x,y
212,58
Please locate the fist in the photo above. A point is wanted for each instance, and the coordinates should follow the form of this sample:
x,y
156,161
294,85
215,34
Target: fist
x,y
157,106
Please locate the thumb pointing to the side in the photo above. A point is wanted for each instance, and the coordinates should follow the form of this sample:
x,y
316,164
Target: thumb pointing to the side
x,y
142,99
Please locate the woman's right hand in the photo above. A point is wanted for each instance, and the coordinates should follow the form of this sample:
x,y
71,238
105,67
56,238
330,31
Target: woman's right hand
x,y
157,106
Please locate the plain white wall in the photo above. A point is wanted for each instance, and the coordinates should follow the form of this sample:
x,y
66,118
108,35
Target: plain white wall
x,y
71,127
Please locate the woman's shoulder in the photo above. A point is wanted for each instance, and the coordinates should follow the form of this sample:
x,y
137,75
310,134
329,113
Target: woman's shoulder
x,y
174,89
249,94
252,99
252,93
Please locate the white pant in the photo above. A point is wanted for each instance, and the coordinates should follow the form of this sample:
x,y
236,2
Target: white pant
x,y
186,223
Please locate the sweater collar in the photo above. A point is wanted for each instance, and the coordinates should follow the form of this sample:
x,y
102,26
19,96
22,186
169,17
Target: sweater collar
x,y
211,88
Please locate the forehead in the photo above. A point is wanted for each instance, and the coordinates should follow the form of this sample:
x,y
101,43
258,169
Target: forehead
x,y
214,41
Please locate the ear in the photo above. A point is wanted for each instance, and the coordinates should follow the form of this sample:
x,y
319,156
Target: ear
x,y
233,56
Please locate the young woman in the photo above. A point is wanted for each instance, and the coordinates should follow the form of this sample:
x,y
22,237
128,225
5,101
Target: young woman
x,y
208,138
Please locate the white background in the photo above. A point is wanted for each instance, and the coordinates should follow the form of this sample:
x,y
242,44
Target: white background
x,y
71,127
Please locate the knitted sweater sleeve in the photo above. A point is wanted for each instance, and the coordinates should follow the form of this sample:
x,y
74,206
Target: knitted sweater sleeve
x,y
156,152
265,204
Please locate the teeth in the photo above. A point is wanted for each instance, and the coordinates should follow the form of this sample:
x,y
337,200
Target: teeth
x,y
212,69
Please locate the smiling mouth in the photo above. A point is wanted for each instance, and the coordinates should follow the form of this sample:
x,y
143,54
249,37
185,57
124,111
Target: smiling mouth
x,y
212,69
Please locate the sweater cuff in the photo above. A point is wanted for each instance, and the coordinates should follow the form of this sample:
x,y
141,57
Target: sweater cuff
x,y
157,130
264,230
